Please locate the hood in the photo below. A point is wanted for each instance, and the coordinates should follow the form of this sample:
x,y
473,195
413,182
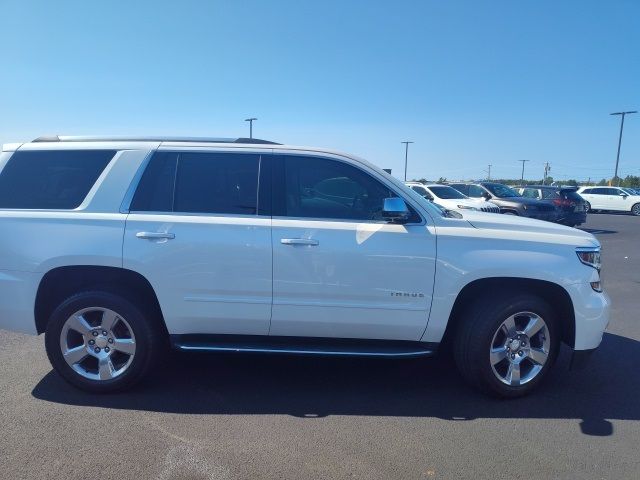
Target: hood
x,y
528,227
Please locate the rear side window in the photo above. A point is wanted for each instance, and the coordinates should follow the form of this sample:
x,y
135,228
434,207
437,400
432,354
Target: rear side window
x,y
530,193
199,182
58,179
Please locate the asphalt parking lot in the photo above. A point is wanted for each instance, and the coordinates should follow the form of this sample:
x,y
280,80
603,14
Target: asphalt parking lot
x,y
250,416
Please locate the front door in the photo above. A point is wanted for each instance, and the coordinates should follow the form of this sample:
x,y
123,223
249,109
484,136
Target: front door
x,y
194,232
339,270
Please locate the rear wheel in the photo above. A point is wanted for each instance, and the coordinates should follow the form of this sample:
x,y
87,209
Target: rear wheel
x,y
101,342
587,207
636,209
506,348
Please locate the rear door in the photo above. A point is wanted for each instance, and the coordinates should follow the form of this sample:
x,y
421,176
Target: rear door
x,y
597,198
339,270
196,233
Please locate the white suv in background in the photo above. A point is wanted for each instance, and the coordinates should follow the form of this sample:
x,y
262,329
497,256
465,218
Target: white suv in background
x,y
117,248
450,198
610,198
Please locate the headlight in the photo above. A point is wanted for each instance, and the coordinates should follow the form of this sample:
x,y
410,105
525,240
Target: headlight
x,y
466,207
590,257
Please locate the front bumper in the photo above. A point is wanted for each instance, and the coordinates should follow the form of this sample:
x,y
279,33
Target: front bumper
x,y
591,311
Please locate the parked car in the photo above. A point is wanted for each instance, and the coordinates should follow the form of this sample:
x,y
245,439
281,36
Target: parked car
x,y
450,198
116,247
571,205
610,198
509,201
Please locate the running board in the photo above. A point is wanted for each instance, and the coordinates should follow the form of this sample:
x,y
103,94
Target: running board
x,y
302,345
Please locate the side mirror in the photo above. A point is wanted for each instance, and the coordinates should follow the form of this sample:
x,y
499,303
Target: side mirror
x,y
395,210
486,195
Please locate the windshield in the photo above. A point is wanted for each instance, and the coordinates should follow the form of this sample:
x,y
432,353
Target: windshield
x,y
446,193
501,191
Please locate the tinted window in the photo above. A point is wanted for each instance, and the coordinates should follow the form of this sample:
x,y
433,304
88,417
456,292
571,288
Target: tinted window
x,y
57,179
324,188
421,190
464,189
216,183
199,182
446,192
501,191
571,195
530,193
155,190
599,191
587,190
550,193
476,191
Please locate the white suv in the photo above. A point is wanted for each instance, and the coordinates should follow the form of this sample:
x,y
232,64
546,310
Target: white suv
x,y
610,198
116,248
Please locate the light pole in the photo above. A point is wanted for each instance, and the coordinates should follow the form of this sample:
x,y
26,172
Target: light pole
x,y
622,114
406,155
522,177
250,120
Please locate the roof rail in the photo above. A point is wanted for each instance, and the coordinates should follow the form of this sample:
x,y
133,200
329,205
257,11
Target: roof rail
x,y
126,138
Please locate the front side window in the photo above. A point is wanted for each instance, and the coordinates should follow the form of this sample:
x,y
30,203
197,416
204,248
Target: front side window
x,y
55,179
324,188
199,182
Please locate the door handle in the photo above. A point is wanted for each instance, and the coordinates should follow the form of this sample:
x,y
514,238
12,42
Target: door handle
x,y
299,241
155,235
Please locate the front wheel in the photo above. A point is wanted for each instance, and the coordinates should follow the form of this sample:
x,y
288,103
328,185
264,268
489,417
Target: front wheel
x,y
635,210
101,342
506,348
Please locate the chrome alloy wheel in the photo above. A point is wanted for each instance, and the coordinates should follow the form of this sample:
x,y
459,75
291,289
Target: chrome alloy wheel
x,y
97,343
520,348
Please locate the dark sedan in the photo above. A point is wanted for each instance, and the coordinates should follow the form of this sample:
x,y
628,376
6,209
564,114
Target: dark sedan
x,y
570,204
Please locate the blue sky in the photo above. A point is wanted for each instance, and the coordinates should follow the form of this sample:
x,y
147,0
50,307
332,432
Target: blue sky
x,y
470,82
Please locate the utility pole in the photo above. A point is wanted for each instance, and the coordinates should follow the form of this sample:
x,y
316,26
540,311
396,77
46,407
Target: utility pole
x,y
547,168
522,177
406,155
250,120
488,170
622,114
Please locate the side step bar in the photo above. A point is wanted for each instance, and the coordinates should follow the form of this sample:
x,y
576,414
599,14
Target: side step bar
x,y
302,345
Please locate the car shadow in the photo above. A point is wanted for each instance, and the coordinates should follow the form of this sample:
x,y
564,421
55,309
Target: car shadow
x,y
311,387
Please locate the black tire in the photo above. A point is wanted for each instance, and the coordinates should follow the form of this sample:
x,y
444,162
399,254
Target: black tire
x,y
635,209
475,332
149,340
587,207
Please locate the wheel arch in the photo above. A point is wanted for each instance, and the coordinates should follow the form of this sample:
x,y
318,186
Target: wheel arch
x,y
553,293
62,282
